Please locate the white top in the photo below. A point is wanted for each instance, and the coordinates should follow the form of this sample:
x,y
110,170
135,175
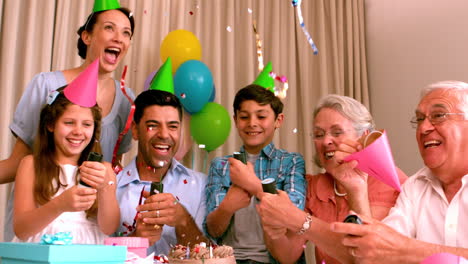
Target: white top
x,y
423,212
84,231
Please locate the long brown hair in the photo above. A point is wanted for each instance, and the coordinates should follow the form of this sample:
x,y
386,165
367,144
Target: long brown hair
x,y
46,168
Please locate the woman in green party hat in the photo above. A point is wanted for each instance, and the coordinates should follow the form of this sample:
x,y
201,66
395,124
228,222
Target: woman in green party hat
x,y
106,36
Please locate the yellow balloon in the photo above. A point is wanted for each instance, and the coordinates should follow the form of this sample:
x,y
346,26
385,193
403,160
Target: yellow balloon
x,y
181,45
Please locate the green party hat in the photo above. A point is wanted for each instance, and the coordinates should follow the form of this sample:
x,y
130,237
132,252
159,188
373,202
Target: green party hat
x,y
163,79
265,80
101,5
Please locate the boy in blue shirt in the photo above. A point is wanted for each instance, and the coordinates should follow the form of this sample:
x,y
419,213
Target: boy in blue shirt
x,y
232,186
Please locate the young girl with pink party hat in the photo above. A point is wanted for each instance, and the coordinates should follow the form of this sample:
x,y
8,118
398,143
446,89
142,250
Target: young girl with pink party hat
x,y
106,34
48,199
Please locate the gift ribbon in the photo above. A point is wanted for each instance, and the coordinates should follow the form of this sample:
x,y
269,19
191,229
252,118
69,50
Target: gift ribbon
x,y
60,238
116,166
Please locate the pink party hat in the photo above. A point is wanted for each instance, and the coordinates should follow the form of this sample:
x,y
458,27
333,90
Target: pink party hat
x,y
83,89
376,160
101,5
445,258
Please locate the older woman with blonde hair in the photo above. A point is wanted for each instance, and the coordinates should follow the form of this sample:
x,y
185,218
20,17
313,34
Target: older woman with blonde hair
x,y
339,122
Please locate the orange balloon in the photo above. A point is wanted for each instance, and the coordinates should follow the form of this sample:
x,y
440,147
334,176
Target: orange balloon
x,y
181,45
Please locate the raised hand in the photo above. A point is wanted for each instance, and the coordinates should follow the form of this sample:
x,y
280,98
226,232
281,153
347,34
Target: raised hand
x,y
276,209
94,174
346,173
236,198
244,176
151,231
161,209
76,199
372,242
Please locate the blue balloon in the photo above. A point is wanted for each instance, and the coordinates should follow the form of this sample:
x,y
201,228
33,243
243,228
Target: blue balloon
x,y
193,85
213,95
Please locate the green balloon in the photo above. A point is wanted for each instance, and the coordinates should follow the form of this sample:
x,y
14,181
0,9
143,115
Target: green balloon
x,y
210,126
163,79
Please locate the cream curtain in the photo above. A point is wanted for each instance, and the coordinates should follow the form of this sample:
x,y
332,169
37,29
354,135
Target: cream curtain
x,y
41,36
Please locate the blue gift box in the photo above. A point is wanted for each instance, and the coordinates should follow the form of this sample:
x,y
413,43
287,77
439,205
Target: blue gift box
x,y
22,253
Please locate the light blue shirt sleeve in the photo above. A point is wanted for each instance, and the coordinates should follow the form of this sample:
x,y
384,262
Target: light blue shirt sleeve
x,y
26,118
295,183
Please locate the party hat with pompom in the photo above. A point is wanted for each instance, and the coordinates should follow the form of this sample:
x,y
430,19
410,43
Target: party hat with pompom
x,y
83,89
265,80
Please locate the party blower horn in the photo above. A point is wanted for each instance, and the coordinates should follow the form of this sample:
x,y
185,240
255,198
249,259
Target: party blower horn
x,y
376,159
83,89
445,258
163,79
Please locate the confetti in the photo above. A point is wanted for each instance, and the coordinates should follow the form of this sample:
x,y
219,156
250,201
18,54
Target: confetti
x,y
228,28
161,163
182,95
297,6
249,10
304,246
259,47
202,146
295,130
185,181
191,13
128,173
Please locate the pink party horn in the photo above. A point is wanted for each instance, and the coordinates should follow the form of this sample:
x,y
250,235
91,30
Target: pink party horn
x,y
445,258
376,159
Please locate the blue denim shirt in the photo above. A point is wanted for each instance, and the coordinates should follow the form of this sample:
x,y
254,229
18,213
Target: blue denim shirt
x,y
287,168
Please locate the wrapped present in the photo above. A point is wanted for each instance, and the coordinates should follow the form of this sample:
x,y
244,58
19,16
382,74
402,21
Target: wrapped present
x,y
137,245
22,253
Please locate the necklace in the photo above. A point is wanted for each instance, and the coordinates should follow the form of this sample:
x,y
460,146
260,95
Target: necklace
x,y
336,191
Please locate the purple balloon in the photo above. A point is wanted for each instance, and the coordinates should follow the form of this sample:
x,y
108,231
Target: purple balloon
x,y
148,80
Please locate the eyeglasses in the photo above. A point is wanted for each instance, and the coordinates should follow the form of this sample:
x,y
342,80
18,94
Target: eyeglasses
x,y
435,118
320,134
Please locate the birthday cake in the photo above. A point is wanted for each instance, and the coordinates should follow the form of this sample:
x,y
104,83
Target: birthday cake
x,y
201,254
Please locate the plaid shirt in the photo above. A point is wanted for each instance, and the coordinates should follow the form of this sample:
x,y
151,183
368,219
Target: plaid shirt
x,y
287,168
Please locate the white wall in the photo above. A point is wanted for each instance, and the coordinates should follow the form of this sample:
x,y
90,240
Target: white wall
x,y
412,43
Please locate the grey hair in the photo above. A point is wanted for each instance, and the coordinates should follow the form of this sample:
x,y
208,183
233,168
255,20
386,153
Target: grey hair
x,y
351,109
456,88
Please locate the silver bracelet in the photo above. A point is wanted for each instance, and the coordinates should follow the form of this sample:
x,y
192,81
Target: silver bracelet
x,y
305,225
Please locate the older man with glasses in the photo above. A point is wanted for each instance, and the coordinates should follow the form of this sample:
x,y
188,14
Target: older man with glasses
x,y
431,213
